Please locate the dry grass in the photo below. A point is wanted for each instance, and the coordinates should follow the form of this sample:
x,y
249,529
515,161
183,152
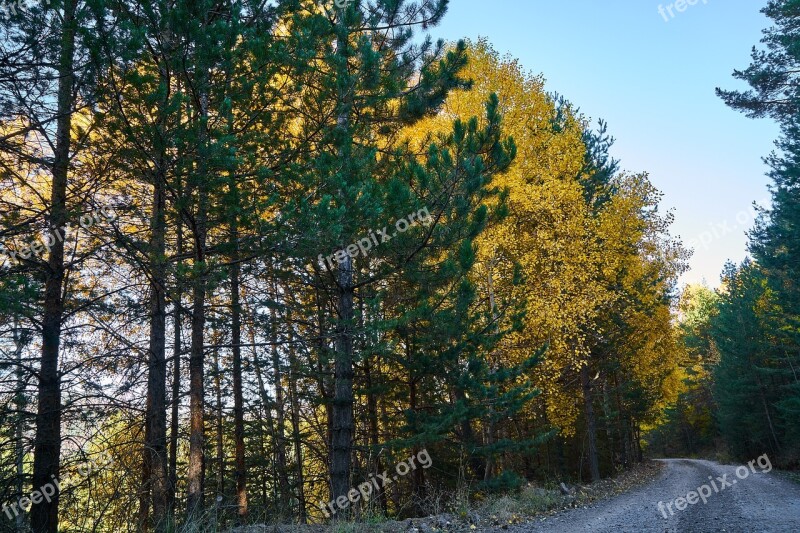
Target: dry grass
x,y
487,514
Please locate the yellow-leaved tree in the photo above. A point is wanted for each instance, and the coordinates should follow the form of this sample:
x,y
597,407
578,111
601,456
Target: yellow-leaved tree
x,y
596,260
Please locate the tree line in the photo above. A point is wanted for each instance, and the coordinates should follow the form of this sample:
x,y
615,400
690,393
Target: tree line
x,y
742,365
200,338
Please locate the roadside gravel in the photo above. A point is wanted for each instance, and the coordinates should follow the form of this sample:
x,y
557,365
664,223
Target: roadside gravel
x,y
762,502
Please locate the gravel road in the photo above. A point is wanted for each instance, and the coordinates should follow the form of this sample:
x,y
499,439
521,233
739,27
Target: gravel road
x,y
758,502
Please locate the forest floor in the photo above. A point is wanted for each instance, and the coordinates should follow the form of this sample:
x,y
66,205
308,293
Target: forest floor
x,y
496,513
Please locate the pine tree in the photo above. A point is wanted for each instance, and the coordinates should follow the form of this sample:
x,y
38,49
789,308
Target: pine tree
x,y
361,178
773,73
775,241
744,385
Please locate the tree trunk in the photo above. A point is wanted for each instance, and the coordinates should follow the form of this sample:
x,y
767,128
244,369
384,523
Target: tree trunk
x,y
154,463
637,433
234,206
284,488
238,398
196,473
197,466
342,412
768,415
323,378
47,447
298,446
629,456
418,474
176,379
607,418
343,424
19,404
623,434
220,427
265,402
374,435
468,439
491,426
591,423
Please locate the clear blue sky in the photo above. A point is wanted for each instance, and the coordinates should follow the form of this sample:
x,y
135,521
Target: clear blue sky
x,y
653,81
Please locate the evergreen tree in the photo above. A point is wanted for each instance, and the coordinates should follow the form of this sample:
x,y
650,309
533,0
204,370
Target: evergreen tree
x,y
775,241
373,81
745,387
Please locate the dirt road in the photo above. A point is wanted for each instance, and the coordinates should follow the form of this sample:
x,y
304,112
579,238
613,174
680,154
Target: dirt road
x,y
755,502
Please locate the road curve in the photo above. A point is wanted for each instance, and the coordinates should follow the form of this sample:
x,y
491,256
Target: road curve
x,y
756,502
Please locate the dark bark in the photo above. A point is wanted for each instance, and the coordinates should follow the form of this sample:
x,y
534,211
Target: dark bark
x,y
47,447
417,475
154,464
768,415
197,465
265,402
284,488
196,472
220,427
591,423
342,423
238,399
234,205
374,431
19,404
342,412
176,382
607,418
324,383
637,435
298,445
491,426
621,427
